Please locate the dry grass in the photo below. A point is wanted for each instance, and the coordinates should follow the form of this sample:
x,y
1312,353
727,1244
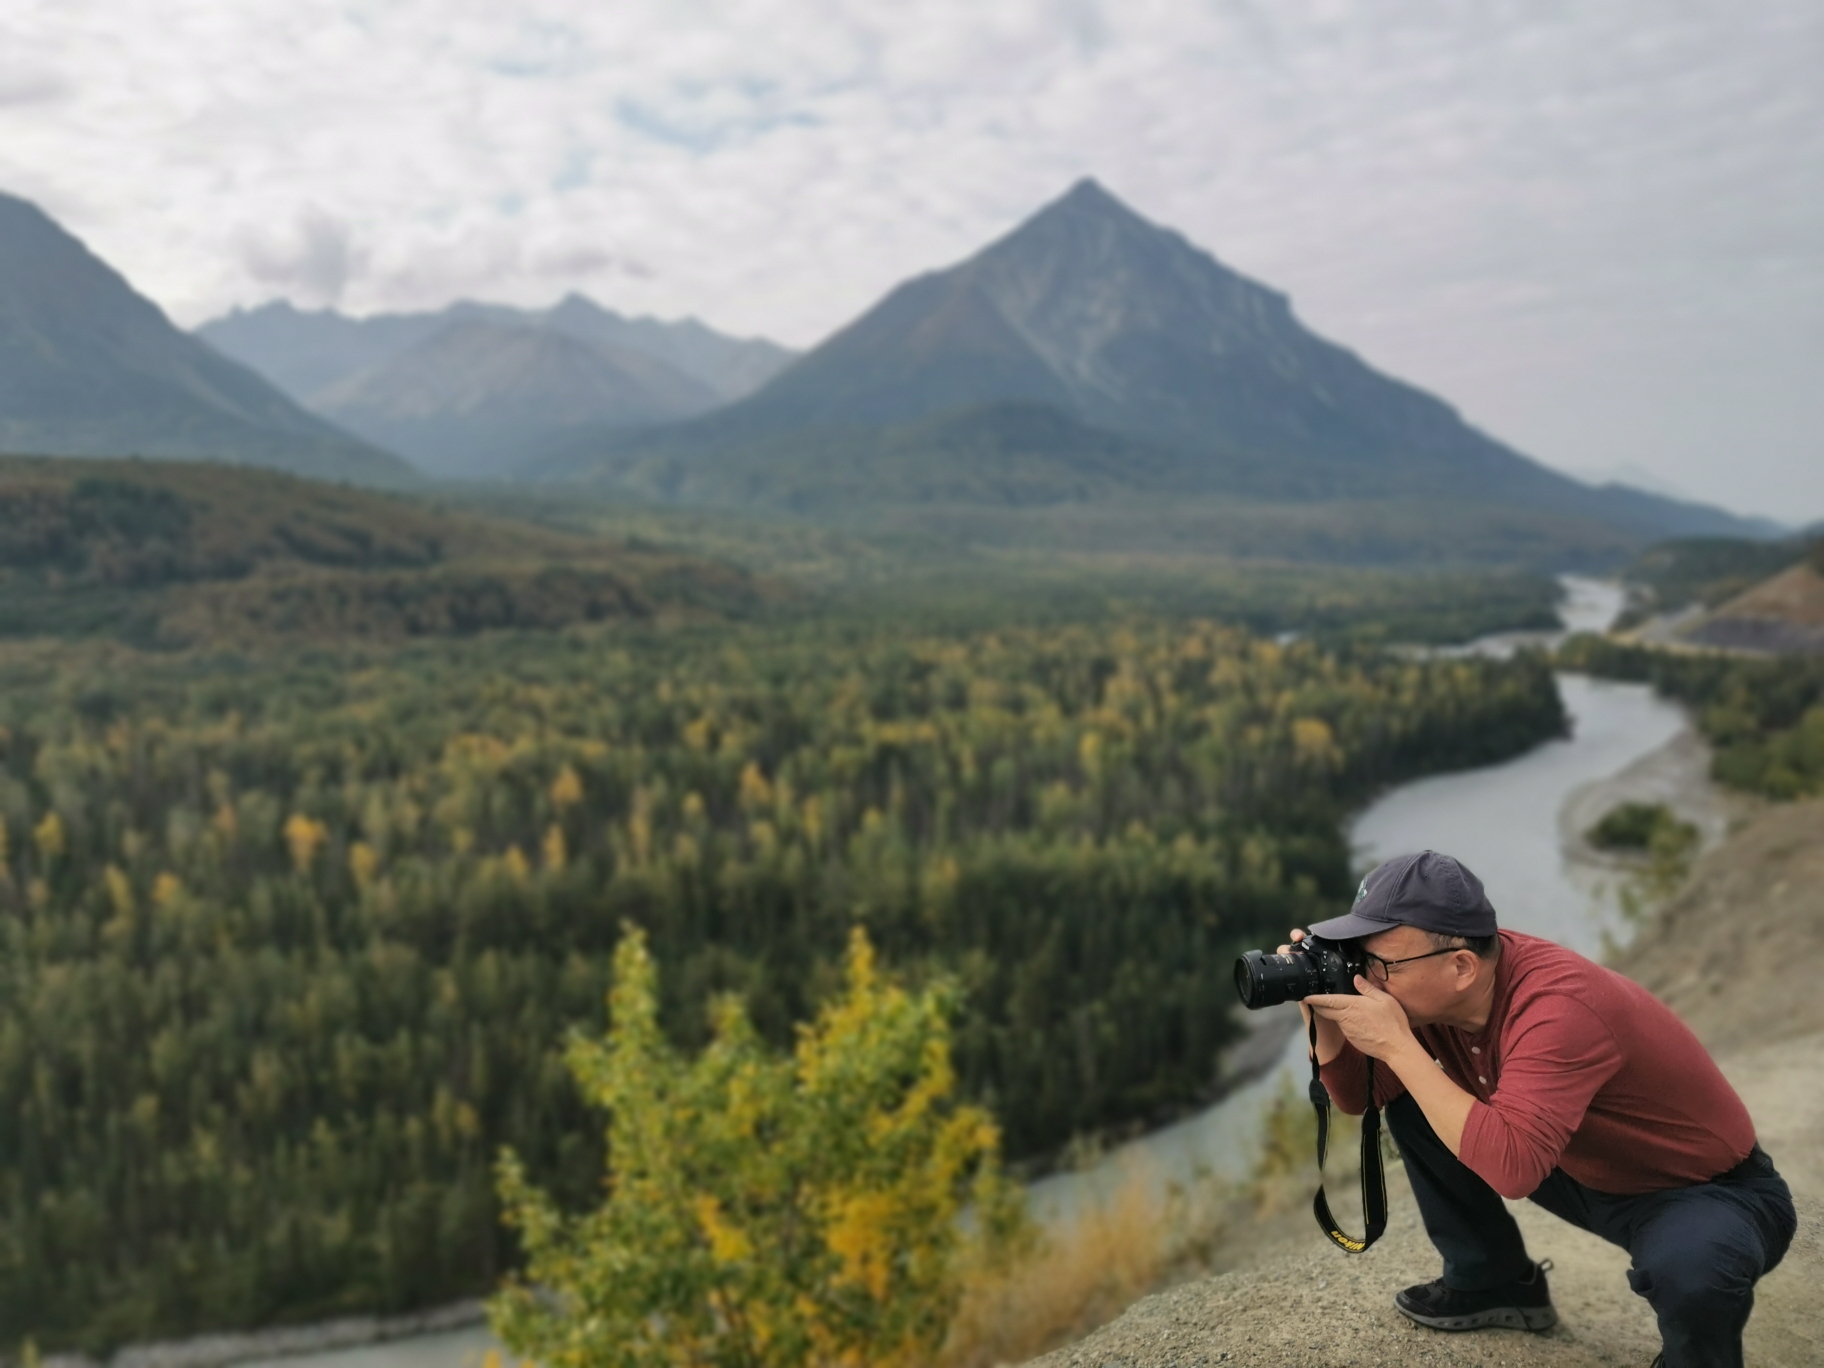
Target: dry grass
x,y
1147,1235
1079,1277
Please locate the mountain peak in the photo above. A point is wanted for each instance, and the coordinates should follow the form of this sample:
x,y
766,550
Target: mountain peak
x,y
1089,193
1088,203
576,304
23,225
1088,234
1103,350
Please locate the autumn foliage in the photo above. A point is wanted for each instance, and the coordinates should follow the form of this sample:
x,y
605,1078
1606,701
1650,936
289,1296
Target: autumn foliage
x,y
764,1208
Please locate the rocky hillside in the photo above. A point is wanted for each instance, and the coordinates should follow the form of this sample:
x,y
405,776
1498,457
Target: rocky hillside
x,y
1737,954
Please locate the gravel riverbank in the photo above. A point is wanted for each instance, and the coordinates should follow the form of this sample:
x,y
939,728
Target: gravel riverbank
x,y
219,1351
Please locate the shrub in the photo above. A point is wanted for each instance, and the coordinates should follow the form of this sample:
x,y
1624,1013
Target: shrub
x,y
765,1209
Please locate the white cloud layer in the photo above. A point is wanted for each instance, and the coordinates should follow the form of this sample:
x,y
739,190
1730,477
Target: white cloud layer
x,y
1597,228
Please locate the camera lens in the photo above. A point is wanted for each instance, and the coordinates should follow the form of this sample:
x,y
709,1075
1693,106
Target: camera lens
x,y
1265,980
1311,966
1247,981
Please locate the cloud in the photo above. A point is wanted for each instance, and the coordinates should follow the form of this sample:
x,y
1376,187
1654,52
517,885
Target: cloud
x,y
316,259
20,85
1599,229
580,262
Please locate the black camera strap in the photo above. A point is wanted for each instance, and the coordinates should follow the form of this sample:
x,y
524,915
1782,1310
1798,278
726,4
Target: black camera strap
x,y
1374,1180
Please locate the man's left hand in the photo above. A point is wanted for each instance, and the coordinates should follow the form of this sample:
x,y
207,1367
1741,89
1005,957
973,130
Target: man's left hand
x,y
1374,1022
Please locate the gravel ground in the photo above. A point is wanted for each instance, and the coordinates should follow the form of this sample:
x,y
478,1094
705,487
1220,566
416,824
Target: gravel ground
x,y
1738,954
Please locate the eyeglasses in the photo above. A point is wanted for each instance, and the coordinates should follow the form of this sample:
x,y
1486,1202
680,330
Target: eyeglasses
x,y
1378,968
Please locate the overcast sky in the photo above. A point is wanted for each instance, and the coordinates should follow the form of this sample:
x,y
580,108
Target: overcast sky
x,y
1597,228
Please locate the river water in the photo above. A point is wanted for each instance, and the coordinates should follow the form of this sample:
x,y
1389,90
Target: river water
x,y
440,1349
1503,821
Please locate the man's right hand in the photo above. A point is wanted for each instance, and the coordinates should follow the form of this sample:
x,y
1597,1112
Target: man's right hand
x,y
1329,1034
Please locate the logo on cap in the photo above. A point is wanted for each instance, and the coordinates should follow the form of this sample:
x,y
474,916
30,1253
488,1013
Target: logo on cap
x,y
1362,892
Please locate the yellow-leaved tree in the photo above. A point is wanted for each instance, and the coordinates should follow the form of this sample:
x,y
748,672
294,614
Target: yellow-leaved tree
x,y
822,1207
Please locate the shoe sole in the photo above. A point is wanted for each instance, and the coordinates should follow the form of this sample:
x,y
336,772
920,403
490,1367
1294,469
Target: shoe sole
x,y
1533,1318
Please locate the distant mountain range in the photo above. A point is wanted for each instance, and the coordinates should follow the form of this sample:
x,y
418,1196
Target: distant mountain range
x,y
478,390
89,367
1090,378
476,399
1090,354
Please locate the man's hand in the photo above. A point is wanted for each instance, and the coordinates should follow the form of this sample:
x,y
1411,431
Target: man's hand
x,y
1377,1025
1374,1023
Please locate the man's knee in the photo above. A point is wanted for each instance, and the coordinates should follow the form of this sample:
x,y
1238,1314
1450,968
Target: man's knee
x,y
1697,1267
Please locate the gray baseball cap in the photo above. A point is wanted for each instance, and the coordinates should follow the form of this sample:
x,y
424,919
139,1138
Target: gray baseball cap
x,y
1430,891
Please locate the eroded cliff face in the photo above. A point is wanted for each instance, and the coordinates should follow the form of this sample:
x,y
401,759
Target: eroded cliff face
x,y
1737,954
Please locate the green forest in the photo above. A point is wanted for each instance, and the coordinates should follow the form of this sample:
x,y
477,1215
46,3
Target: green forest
x,y
168,555
292,939
1764,715
172,556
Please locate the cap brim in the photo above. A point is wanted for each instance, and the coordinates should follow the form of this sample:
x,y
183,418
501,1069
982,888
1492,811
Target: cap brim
x,y
1348,927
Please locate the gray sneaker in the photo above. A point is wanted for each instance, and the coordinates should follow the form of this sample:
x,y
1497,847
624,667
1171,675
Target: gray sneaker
x,y
1525,1304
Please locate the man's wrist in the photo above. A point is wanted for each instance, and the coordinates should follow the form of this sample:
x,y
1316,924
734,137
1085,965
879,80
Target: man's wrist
x,y
1408,1056
1330,1041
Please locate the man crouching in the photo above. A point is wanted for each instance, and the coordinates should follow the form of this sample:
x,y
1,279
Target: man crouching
x,y
1516,1068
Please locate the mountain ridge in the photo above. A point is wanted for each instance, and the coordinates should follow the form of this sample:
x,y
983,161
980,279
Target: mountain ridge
x,y
475,396
90,367
306,351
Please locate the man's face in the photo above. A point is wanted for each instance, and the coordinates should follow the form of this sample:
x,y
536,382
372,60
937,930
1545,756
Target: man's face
x,y
1428,989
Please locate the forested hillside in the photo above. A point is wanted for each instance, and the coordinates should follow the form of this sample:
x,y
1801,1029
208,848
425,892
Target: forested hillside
x,y
173,553
288,944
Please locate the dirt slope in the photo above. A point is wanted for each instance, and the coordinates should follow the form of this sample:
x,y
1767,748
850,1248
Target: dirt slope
x,y
1738,953
1782,615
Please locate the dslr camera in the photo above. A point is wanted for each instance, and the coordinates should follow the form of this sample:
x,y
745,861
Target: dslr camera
x,y
1312,965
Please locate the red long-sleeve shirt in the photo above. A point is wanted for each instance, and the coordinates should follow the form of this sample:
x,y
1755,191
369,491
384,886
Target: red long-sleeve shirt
x,y
1578,1068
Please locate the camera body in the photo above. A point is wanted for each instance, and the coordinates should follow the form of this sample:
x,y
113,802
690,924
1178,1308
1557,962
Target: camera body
x,y
1312,965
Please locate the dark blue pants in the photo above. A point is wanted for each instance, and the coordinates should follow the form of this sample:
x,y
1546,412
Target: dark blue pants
x,y
1697,1251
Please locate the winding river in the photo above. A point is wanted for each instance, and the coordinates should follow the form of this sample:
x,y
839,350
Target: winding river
x,y
1506,821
